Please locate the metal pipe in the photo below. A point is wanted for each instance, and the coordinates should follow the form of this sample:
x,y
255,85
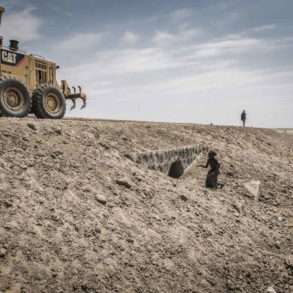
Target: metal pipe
x,y
2,10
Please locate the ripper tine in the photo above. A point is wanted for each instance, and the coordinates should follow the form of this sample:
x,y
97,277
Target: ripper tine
x,y
75,94
84,103
73,104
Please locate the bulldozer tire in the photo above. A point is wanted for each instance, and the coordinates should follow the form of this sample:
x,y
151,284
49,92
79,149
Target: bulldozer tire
x,y
49,103
15,100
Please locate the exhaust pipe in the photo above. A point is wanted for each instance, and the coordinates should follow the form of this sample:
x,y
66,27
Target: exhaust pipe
x,y
13,46
2,10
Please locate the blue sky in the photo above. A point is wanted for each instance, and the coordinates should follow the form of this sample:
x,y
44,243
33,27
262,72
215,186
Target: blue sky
x,y
197,61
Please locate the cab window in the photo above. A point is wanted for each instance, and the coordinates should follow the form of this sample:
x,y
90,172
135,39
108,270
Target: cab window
x,y
41,73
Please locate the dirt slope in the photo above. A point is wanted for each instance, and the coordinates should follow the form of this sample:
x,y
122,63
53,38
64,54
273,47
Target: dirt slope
x,y
76,215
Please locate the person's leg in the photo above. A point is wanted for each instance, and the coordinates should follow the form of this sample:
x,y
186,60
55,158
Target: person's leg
x,y
215,181
207,183
209,180
213,177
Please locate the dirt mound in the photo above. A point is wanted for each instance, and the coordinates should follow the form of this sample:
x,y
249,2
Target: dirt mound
x,y
77,215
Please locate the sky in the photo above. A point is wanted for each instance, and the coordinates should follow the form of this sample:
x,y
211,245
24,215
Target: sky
x,y
198,61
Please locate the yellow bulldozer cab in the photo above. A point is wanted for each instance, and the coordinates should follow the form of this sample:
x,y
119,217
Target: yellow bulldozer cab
x,y
31,70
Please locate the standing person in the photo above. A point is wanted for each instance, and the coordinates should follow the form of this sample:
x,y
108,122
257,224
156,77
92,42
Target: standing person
x,y
214,171
243,117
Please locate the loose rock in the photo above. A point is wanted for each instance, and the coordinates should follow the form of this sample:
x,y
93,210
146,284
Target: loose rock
x,y
123,182
271,290
3,252
253,187
32,126
101,199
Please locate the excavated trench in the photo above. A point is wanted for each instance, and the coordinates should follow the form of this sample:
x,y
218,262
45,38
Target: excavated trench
x,y
172,162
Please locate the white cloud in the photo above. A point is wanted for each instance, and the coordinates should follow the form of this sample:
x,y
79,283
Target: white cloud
x,y
229,46
130,38
80,41
217,78
262,28
162,38
217,55
121,62
22,25
181,14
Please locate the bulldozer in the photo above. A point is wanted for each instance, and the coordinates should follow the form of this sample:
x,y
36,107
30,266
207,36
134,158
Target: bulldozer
x,y
28,85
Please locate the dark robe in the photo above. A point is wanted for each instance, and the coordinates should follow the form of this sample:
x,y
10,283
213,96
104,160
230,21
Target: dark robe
x,y
213,173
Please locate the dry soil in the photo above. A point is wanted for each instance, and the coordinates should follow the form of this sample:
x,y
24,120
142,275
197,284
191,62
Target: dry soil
x,y
77,215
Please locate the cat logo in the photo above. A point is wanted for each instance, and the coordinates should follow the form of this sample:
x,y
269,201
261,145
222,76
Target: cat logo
x,y
10,58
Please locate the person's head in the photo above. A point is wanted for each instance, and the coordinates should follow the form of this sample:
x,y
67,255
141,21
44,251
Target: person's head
x,y
212,154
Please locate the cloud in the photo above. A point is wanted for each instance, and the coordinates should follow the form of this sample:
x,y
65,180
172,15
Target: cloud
x,y
22,25
80,41
130,38
227,54
229,45
115,63
148,74
187,68
163,38
181,14
263,28
119,82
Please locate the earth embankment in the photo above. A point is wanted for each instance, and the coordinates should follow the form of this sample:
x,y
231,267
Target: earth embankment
x,y
78,215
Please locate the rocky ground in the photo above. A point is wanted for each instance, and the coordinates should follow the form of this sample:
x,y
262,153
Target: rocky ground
x,y
77,215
